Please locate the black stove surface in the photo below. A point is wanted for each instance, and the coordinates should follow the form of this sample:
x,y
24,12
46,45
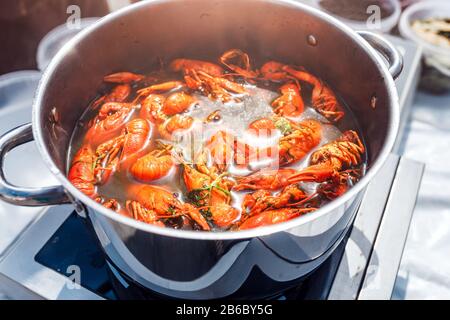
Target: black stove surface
x,y
74,244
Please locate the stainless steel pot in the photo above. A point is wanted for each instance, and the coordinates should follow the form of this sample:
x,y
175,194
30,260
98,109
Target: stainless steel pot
x,y
201,265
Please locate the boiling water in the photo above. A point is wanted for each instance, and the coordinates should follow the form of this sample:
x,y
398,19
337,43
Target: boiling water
x,y
235,117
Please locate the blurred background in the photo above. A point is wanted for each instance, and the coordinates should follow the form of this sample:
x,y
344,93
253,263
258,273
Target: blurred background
x,y
32,31
25,22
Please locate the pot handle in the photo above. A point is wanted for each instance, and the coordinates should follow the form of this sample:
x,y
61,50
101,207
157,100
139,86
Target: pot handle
x,y
387,50
29,197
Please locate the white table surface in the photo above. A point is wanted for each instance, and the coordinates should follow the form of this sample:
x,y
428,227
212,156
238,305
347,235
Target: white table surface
x,y
23,166
425,269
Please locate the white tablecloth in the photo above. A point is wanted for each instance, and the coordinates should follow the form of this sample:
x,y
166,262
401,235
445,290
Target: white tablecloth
x,y
425,269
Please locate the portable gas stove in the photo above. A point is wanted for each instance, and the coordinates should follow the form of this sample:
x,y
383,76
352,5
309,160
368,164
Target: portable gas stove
x,y
56,256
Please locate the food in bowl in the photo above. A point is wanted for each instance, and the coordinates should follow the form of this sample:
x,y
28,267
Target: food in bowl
x,y
199,145
426,23
436,31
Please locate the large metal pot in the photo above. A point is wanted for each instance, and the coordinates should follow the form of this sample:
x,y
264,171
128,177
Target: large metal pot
x,y
201,265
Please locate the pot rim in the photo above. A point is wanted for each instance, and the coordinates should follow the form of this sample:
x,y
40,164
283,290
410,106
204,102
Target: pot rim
x,y
393,126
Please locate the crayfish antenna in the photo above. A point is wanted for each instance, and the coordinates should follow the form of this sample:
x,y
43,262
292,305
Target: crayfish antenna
x,y
178,156
303,201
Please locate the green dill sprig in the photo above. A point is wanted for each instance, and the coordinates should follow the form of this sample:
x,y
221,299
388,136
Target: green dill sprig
x,y
283,125
196,195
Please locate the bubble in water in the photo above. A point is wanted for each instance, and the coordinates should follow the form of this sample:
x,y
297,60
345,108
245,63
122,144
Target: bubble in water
x,y
235,116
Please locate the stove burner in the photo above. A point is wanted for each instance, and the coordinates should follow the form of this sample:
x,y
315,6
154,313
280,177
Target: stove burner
x,y
75,244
